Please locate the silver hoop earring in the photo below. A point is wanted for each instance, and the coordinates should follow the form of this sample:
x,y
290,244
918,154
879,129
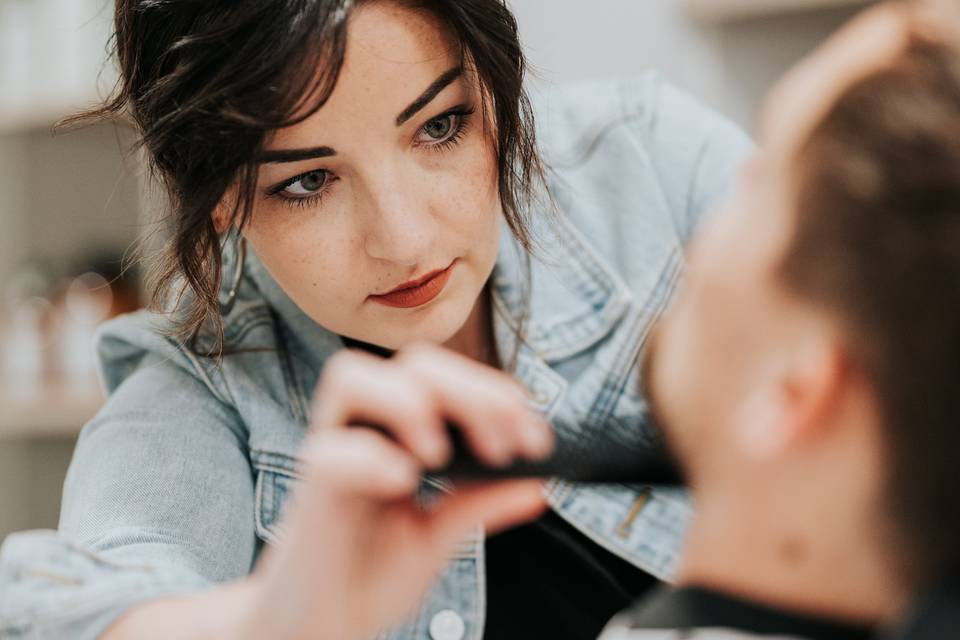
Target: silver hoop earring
x,y
226,306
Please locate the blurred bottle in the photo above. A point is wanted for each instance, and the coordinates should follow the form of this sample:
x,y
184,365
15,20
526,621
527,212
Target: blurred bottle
x,y
27,331
87,302
24,347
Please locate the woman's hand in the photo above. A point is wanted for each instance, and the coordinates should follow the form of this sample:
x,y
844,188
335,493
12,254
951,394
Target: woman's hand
x,y
357,552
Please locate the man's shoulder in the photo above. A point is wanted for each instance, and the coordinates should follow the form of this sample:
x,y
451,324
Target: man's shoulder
x,y
617,632
702,614
687,634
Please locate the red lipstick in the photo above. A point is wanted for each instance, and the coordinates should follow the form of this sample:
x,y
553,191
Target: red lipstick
x,y
416,293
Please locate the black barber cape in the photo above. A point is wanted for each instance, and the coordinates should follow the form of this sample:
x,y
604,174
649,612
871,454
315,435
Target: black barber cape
x,y
546,580
701,614
934,616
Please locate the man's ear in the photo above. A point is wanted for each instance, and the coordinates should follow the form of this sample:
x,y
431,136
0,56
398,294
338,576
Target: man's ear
x,y
794,404
814,388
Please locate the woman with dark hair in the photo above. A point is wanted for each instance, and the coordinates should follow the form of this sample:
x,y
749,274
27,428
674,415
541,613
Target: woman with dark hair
x,y
368,174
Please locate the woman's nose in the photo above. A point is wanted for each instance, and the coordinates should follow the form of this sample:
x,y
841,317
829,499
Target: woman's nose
x,y
399,225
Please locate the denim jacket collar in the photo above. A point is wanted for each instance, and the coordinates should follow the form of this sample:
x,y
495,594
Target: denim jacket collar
x,y
571,298
303,337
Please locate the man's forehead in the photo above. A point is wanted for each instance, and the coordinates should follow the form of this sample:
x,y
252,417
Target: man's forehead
x,y
865,46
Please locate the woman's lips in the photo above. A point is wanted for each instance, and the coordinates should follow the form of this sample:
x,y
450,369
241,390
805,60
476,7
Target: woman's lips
x,y
419,294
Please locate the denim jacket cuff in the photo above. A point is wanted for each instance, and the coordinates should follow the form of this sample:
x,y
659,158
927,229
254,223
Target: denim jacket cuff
x,y
53,588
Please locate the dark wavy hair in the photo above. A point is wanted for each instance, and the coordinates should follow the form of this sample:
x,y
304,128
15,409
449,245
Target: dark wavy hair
x,y
205,82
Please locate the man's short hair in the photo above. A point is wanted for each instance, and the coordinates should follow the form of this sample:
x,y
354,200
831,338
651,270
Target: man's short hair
x,y
877,244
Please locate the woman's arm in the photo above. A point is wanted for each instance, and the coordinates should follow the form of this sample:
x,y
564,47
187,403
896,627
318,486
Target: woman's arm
x,y
158,501
222,612
358,552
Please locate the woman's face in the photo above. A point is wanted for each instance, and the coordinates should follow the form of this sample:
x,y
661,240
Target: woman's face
x,y
392,184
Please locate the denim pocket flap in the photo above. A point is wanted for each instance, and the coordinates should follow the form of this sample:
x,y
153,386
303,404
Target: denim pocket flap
x,y
273,487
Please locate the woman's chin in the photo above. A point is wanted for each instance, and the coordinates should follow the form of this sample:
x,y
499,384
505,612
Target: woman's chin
x,y
437,325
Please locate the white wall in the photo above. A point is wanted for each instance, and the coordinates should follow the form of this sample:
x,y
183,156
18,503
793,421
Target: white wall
x,y
12,202
729,66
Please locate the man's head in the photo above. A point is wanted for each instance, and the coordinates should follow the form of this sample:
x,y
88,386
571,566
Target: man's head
x,y
811,364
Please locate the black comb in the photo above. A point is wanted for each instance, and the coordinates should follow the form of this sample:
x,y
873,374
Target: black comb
x,y
576,463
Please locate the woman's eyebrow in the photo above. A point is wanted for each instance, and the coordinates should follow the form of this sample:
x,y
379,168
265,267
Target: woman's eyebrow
x,y
294,155
438,85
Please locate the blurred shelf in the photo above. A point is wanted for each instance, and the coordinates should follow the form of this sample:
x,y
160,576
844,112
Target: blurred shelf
x,y
57,409
724,10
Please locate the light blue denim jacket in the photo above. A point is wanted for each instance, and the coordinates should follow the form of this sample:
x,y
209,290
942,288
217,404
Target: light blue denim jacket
x,y
181,479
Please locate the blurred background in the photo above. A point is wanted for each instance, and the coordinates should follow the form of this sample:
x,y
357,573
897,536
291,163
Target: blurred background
x,y
73,205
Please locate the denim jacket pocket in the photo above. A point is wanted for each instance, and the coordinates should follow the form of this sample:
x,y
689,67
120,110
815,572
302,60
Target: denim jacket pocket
x,y
274,483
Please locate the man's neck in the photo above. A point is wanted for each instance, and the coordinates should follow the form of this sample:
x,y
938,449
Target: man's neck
x,y
811,567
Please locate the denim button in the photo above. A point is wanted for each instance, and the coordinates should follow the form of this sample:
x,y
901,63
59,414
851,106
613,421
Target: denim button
x,y
447,625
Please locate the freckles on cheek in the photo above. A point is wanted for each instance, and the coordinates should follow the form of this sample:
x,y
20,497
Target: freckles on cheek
x,y
301,259
476,195
476,177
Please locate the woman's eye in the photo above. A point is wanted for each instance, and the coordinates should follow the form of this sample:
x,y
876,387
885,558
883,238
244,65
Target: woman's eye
x,y
306,185
439,129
